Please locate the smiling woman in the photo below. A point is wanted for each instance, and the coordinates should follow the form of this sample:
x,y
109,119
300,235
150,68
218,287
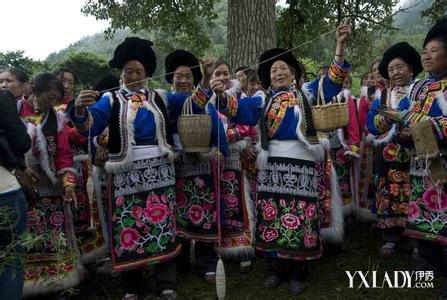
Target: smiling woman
x,y
400,64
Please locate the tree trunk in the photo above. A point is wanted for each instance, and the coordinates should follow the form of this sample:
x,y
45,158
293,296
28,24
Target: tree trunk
x,y
251,30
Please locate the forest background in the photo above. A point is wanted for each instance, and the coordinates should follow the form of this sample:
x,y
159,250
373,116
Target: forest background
x,y
239,31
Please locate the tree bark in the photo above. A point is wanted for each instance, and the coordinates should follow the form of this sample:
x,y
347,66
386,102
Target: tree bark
x,y
251,30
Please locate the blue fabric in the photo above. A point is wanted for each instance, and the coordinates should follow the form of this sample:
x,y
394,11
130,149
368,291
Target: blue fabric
x,y
11,280
330,88
145,129
250,109
371,116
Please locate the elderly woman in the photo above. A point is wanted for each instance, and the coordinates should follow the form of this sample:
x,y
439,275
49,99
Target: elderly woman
x,y
426,217
400,65
140,165
197,177
287,226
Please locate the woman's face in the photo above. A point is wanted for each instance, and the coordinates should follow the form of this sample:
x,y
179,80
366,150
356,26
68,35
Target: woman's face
x,y
68,82
253,86
133,75
375,72
222,72
399,72
434,58
280,75
47,99
242,79
183,80
9,82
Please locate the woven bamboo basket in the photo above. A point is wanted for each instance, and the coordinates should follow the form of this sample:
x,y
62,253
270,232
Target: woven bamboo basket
x,y
194,130
424,140
328,117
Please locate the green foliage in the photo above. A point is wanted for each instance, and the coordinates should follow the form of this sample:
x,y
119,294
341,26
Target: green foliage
x,y
88,67
305,20
16,59
435,11
183,21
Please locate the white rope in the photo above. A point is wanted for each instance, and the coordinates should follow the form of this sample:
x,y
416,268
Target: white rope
x,y
233,75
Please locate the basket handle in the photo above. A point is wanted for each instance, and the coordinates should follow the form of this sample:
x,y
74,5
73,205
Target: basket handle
x,y
187,107
320,95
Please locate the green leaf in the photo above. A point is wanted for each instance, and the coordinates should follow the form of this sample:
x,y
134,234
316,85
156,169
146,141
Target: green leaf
x,y
164,240
281,241
152,247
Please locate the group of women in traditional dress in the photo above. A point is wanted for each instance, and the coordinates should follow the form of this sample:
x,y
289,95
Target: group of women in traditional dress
x,y
267,183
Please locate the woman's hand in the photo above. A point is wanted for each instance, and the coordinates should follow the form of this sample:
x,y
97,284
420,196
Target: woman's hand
x,y
218,86
343,36
206,66
85,99
344,32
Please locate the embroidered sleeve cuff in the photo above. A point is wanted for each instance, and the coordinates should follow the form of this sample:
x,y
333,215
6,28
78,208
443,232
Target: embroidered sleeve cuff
x,y
68,179
381,124
338,73
82,123
103,140
232,105
233,135
352,150
440,127
200,97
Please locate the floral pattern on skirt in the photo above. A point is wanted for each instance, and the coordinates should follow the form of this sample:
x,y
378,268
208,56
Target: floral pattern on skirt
x,y
54,257
288,223
342,165
196,211
427,211
142,228
393,187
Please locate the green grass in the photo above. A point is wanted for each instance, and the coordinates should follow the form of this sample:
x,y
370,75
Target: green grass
x,y
327,278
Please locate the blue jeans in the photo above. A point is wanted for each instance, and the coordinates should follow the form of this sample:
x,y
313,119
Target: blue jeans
x,y
11,227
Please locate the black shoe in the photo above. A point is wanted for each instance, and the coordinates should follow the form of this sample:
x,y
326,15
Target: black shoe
x,y
296,287
271,281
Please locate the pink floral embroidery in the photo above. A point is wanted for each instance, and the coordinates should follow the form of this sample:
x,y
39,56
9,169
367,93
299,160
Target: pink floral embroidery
x,y
270,234
156,212
181,199
432,201
310,240
229,176
196,214
56,218
137,212
311,210
199,182
231,200
290,221
394,189
270,212
151,199
119,201
129,238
